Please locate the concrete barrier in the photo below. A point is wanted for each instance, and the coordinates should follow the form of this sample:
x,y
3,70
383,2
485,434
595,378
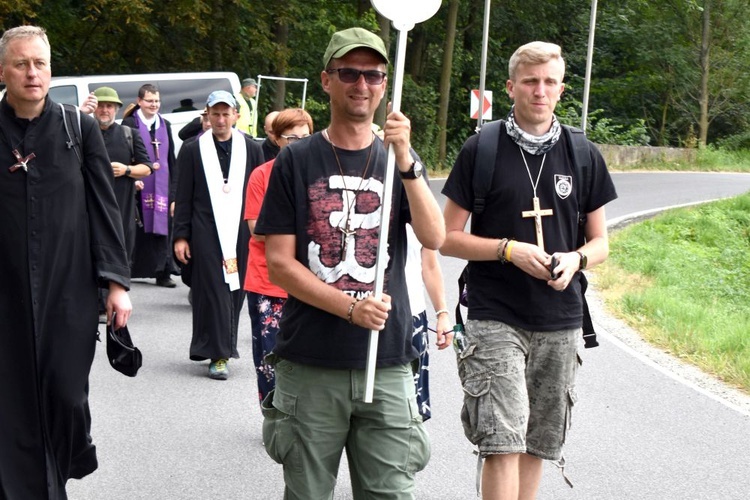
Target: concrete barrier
x,y
623,156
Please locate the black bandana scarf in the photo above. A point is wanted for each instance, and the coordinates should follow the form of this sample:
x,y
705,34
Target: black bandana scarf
x,y
535,145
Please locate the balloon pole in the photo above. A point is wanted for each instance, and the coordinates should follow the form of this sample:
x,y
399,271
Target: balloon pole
x,y
385,218
403,20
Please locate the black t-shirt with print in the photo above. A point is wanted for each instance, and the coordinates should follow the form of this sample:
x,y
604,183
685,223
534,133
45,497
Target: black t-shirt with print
x,y
308,197
502,292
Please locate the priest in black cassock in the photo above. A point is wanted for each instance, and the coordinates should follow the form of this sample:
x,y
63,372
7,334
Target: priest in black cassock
x,y
60,239
210,236
153,249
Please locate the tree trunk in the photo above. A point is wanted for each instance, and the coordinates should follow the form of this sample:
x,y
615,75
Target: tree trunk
x,y
281,35
385,34
445,80
704,62
417,52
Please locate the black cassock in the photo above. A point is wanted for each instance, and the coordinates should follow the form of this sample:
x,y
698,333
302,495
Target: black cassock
x,y
216,309
60,236
119,150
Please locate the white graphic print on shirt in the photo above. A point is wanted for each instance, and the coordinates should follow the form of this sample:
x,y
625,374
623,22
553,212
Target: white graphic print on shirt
x,y
330,201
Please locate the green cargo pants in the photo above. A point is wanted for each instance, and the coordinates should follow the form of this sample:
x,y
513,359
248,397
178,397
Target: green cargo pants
x,y
315,413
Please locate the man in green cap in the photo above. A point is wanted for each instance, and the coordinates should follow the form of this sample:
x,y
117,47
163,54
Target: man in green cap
x,y
129,158
321,222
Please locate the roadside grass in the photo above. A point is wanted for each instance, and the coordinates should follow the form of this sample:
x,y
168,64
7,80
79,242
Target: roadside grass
x,y
682,279
708,159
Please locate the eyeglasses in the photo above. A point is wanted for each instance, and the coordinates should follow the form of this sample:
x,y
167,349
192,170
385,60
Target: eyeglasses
x,y
294,138
351,75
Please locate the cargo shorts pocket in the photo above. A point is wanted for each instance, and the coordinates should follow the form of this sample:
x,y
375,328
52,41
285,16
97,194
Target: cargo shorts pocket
x,y
280,428
477,415
572,399
419,442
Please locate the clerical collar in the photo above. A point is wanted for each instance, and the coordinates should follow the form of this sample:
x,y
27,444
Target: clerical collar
x,y
148,121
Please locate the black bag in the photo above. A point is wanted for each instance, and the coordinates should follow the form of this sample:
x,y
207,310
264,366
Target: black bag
x,y
122,354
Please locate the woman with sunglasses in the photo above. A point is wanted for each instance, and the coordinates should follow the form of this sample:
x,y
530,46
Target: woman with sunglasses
x,y
264,299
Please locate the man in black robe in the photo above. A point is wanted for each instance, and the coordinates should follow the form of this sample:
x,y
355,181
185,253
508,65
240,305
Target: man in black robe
x,y
210,236
128,156
60,238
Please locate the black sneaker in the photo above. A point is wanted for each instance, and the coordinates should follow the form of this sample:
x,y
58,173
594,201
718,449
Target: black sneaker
x,y
166,282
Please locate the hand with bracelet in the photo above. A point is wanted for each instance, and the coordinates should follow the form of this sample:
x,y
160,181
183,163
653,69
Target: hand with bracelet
x,y
443,329
528,257
369,313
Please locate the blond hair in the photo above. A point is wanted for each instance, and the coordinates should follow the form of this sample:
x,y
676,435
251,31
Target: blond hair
x,y
535,53
20,32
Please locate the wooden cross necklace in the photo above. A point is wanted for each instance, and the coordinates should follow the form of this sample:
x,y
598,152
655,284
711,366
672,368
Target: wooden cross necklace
x,y
346,230
537,213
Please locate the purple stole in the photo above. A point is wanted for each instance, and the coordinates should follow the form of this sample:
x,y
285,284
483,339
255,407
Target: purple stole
x,y
155,193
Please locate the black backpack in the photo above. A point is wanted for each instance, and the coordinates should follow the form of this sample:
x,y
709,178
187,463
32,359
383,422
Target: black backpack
x,y
483,172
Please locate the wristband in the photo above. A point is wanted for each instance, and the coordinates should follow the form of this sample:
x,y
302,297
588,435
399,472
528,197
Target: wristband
x,y
441,311
350,313
509,250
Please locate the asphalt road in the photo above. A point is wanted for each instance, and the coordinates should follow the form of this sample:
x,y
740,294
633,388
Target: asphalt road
x,y
639,431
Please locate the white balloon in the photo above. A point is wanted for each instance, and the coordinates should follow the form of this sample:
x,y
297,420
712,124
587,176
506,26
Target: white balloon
x,y
406,13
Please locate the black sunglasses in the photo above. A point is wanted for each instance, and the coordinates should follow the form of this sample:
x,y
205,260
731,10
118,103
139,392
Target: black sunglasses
x,y
351,75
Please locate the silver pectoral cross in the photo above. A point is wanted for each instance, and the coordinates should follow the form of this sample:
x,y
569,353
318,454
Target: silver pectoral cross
x,y
22,162
156,145
537,214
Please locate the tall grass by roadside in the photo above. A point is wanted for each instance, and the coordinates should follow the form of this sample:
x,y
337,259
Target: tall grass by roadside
x,y
709,159
683,280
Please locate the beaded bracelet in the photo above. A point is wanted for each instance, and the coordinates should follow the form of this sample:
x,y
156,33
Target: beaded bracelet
x,y
350,313
441,311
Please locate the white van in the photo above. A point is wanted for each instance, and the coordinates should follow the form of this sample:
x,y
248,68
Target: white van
x,y
173,88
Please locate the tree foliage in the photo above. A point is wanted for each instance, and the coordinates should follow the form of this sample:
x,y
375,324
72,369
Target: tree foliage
x,y
646,80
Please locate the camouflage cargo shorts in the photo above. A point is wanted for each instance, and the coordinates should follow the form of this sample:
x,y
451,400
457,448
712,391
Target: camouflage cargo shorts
x,y
519,388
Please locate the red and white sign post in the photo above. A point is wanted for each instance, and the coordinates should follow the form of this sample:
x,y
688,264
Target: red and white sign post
x,y
486,105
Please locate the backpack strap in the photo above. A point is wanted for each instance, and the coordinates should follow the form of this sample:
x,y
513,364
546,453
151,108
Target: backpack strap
x,y
72,121
581,157
484,163
462,298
